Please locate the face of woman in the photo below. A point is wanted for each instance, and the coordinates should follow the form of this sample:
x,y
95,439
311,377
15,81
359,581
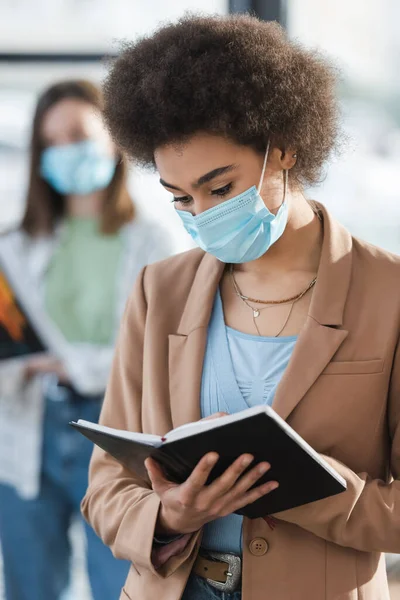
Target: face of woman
x,y
208,169
79,157
73,120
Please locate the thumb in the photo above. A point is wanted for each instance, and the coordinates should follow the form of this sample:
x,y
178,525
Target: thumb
x,y
157,478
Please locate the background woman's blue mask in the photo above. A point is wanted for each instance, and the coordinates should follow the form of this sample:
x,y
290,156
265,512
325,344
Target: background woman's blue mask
x,y
238,230
77,168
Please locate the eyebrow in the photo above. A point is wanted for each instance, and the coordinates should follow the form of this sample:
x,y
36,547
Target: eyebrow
x,y
206,178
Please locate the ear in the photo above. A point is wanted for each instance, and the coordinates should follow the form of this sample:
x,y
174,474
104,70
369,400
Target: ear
x,y
283,159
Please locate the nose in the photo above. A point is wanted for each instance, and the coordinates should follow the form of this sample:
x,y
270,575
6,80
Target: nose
x,y
200,205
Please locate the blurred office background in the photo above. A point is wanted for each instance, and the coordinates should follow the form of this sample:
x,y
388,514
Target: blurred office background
x,y
45,40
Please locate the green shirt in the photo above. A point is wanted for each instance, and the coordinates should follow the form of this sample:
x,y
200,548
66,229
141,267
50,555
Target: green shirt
x,y
80,286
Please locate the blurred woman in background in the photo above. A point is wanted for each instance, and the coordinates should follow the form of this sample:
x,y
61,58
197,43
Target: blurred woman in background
x,y
80,247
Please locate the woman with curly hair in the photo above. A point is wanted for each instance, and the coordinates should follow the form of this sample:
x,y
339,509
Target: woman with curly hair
x,y
280,305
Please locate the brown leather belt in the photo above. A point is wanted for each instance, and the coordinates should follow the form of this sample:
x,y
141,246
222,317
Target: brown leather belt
x,y
222,570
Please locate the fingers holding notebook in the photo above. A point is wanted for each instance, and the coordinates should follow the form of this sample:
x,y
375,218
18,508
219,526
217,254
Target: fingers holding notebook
x,y
185,508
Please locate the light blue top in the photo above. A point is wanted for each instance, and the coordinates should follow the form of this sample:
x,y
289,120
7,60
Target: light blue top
x,y
239,371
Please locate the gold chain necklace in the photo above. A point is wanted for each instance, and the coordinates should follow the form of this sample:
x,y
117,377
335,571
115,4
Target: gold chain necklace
x,y
271,303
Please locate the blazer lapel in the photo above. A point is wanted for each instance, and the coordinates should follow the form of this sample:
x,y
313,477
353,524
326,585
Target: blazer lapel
x,y
187,346
314,349
322,333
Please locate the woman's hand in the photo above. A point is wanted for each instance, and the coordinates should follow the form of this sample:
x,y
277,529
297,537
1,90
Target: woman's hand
x,y
187,507
45,364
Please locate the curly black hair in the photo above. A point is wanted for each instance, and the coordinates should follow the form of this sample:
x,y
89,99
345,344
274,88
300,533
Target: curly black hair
x,y
233,75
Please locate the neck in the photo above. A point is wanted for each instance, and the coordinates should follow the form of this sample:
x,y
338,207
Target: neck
x,y
88,205
298,249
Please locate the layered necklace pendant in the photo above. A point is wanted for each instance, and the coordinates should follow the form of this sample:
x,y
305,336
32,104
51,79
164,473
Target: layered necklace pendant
x,y
269,303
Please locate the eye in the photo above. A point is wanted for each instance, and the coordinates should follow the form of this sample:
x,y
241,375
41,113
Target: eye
x,y
185,200
223,191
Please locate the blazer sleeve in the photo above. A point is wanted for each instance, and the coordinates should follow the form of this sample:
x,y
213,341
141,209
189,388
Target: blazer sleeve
x,y
120,506
367,515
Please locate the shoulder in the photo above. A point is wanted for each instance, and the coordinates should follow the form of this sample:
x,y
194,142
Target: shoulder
x,y
11,235
375,259
170,280
180,267
365,256
162,289
18,238
145,236
15,241
27,254
375,277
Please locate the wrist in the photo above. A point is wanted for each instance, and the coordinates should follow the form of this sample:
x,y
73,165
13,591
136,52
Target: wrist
x,y
164,525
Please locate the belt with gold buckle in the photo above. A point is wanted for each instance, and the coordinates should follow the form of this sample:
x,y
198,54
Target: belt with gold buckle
x,y
222,570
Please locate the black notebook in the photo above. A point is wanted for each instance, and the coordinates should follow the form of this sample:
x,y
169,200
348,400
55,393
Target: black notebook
x,y
302,474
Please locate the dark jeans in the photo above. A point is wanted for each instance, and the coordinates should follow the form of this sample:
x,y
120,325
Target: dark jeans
x,y
34,533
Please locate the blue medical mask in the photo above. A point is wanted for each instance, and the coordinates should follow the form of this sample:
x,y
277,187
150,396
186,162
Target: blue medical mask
x,y
77,168
241,229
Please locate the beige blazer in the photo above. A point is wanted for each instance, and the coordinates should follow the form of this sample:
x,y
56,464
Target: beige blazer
x,y
341,392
